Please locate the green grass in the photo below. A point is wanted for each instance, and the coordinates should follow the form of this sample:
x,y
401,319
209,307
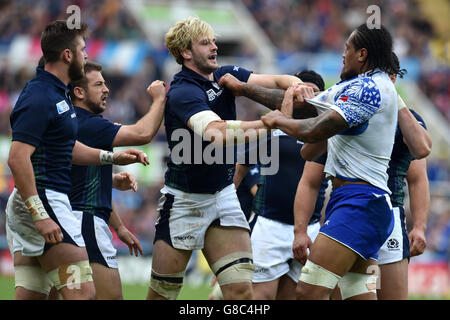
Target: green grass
x,y
130,292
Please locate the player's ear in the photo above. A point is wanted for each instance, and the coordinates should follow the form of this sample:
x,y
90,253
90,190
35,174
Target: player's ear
x,y
362,56
186,54
79,93
67,55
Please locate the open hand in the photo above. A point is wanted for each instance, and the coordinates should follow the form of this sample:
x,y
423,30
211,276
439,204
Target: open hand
x,y
130,156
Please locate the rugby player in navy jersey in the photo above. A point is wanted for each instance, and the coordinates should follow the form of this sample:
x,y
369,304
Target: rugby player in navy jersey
x,y
412,144
199,208
276,271
44,236
91,191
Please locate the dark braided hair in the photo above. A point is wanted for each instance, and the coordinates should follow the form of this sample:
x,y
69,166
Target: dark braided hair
x,y
400,72
378,43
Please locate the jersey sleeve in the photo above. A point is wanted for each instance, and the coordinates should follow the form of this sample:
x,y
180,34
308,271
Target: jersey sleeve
x,y
188,100
97,132
358,102
240,73
252,177
322,159
30,118
419,119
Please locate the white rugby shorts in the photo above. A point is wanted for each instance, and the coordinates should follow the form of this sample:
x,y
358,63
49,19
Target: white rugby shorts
x,y
396,248
185,217
98,239
272,249
21,232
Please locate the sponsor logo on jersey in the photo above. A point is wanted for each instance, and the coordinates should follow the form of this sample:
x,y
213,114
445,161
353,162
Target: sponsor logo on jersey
x,y
212,94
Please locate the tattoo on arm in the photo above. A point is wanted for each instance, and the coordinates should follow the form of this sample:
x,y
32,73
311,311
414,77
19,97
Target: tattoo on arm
x,y
271,98
322,127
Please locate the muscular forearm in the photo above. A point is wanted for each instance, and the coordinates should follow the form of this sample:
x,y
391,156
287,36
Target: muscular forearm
x,y
114,220
313,130
83,155
218,131
415,136
419,193
303,207
24,180
271,98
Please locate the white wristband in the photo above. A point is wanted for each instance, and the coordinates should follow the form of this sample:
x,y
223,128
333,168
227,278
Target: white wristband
x,y
37,209
106,157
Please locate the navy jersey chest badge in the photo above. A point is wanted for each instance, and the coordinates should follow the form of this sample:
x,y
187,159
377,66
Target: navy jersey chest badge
x,y
62,106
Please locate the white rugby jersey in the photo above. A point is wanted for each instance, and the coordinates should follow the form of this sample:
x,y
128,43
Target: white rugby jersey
x,y
368,103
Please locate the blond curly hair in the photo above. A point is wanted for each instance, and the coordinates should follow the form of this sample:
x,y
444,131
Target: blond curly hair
x,y
183,33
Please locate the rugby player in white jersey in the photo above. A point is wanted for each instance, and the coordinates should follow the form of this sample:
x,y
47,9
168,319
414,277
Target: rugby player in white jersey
x,y
360,128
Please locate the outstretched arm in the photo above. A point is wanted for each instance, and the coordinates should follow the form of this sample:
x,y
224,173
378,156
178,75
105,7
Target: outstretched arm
x,y
84,155
310,130
266,93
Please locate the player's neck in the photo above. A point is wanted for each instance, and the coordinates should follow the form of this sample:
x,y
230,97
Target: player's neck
x,y
193,67
58,70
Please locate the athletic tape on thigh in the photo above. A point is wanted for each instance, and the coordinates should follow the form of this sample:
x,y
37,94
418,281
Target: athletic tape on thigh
x,y
353,284
233,268
71,275
167,285
32,278
318,276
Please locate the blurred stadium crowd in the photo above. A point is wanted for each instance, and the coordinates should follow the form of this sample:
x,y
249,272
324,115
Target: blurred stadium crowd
x,y
323,25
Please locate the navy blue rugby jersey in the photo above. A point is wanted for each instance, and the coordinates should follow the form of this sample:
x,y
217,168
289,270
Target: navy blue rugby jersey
x,y
276,193
243,191
189,94
43,117
398,166
92,185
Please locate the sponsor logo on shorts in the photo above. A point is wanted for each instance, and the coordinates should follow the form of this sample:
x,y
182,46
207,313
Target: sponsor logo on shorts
x,y
261,270
393,244
78,236
111,258
188,237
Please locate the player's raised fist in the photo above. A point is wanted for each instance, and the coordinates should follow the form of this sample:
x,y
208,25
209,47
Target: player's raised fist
x,y
157,90
271,119
232,83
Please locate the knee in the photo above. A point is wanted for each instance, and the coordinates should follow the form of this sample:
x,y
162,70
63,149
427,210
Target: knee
x,y
301,293
238,291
